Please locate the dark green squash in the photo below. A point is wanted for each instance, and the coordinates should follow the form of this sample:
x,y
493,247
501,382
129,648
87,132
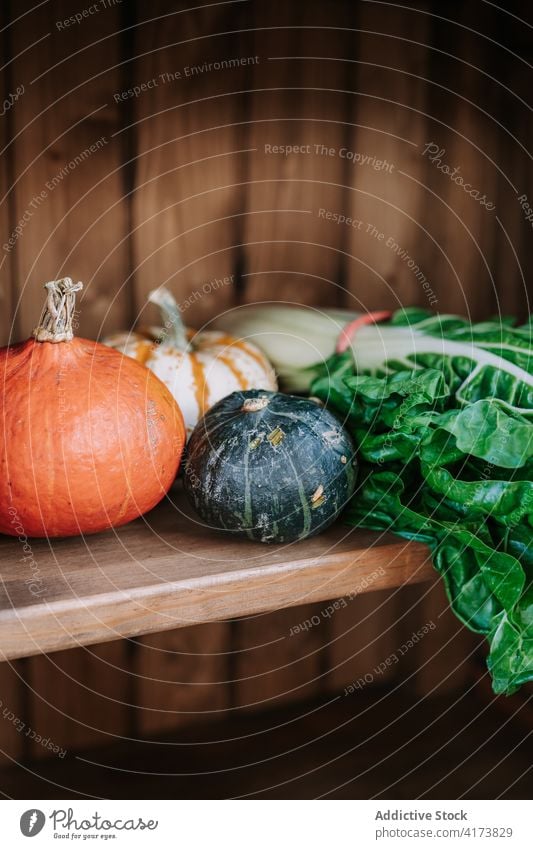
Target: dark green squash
x,y
269,466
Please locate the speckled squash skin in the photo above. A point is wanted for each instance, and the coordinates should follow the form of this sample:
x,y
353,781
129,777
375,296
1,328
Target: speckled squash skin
x,y
271,467
90,439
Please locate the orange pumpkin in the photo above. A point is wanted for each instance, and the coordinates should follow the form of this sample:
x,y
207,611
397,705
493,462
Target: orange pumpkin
x,y
90,439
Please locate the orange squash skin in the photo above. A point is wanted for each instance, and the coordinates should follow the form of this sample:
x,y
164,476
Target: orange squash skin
x,y
90,439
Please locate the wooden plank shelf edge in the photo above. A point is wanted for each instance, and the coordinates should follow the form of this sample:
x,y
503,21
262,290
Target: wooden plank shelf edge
x,y
165,571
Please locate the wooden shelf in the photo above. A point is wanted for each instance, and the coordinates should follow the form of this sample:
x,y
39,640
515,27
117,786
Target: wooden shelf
x,y
166,571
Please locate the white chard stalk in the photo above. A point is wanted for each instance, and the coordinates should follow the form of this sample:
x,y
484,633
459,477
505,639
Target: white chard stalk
x,y
296,339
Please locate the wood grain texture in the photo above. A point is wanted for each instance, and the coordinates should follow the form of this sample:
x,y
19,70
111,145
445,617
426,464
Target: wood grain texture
x,y
370,745
180,678
189,144
7,328
388,67
292,252
68,191
12,713
68,194
443,660
364,634
296,131
386,199
12,696
279,658
514,260
207,204
466,240
187,214
465,138
165,571
79,698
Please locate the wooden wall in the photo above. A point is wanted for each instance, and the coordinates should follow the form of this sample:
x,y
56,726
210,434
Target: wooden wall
x,y
180,184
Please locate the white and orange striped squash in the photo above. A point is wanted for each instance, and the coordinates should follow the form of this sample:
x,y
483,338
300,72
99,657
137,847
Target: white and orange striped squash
x,y
198,368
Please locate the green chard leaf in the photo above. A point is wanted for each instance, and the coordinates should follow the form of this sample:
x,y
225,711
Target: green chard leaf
x,y
442,415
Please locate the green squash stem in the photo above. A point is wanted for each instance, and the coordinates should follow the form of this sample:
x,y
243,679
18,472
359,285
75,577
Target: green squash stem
x,y
174,331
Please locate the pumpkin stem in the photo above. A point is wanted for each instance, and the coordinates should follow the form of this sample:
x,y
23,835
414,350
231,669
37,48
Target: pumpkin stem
x,y
55,324
254,405
174,331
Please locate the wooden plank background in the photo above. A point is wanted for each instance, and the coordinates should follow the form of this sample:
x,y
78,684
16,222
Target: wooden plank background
x,y
186,180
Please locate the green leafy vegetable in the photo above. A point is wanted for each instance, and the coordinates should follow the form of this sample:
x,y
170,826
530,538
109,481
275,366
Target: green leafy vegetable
x,y
441,411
